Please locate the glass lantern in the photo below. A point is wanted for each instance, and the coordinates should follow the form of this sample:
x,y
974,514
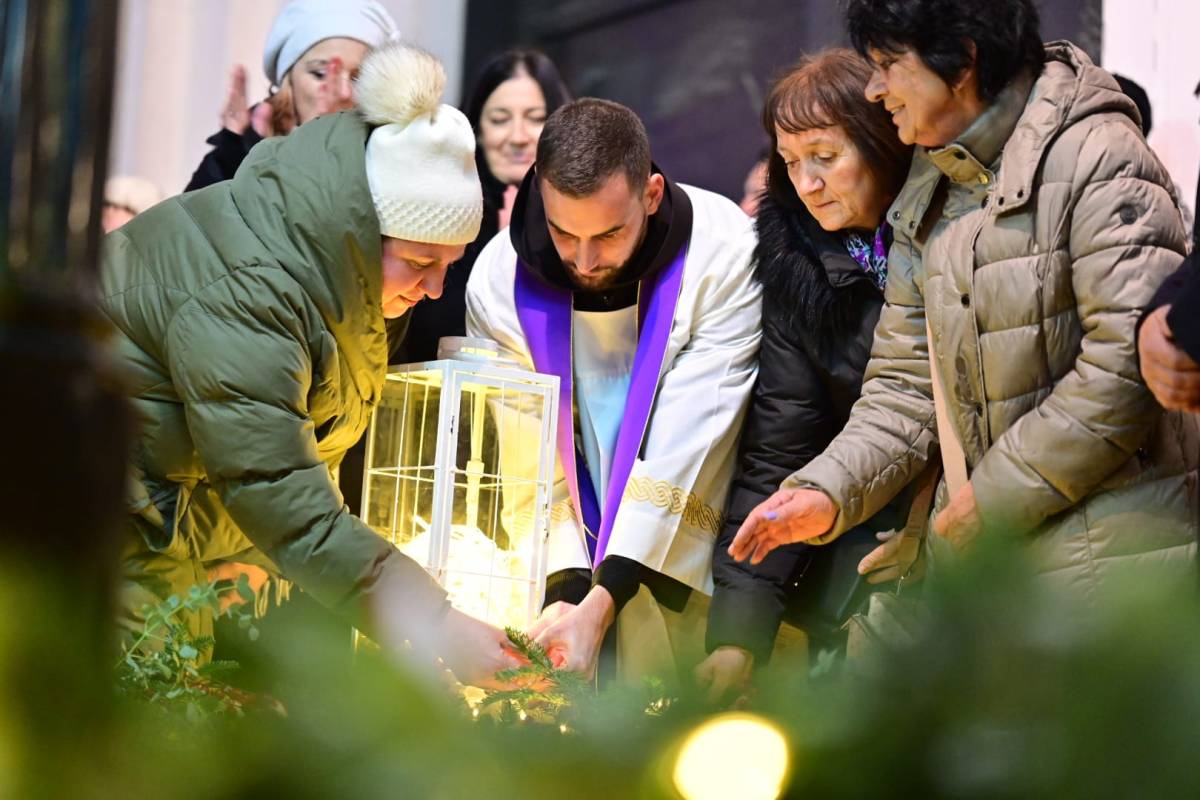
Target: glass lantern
x,y
459,470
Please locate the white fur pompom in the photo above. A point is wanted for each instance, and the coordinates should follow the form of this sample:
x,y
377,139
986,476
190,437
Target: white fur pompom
x,y
398,83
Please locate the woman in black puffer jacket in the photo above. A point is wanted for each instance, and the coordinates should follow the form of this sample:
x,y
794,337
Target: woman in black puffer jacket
x,y
836,165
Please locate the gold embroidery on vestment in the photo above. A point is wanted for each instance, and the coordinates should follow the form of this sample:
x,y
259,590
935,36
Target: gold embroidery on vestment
x,y
562,511
676,501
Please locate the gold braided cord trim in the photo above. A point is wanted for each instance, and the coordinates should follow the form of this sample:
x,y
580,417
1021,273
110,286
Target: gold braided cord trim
x,y
562,511
676,501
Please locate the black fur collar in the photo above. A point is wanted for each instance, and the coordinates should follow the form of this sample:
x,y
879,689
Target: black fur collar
x,y
807,276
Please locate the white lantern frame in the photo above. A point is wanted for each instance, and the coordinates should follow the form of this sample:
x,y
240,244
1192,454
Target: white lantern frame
x,y
477,374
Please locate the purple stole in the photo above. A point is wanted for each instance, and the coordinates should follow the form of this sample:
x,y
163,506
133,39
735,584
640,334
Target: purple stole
x,y
545,315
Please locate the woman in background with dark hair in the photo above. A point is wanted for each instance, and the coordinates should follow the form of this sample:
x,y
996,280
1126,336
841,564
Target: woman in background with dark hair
x,y
513,96
834,166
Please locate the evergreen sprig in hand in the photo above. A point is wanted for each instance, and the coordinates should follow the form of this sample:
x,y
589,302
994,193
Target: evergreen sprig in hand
x,y
537,689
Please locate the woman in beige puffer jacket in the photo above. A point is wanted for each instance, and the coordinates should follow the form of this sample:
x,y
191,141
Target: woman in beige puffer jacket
x,y
1029,244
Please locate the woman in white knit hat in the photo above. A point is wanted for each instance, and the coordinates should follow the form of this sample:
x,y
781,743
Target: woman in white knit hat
x,y
312,53
251,316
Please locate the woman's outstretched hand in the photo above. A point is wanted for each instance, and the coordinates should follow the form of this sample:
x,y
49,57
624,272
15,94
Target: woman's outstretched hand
x,y
786,517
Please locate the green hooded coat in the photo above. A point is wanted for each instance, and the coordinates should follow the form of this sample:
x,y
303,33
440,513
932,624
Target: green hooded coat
x,y
249,315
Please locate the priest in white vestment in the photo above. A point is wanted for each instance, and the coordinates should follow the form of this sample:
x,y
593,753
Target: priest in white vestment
x,y
638,293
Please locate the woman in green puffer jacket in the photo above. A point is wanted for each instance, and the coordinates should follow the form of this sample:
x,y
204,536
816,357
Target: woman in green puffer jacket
x,y
1034,226
251,316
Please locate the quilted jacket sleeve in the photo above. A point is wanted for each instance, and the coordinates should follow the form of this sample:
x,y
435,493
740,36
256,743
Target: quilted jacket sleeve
x,y
1125,238
1184,318
239,354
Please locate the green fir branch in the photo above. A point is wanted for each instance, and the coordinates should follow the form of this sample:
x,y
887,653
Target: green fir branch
x,y
540,690
530,649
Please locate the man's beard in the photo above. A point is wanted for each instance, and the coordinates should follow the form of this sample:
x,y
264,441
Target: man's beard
x,y
597,280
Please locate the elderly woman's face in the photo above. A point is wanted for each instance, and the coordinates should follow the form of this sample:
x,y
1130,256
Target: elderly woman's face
x,y
832,179
509,126
924,109
312,92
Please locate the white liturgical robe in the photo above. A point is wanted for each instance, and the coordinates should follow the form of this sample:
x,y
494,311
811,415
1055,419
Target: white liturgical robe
x,y
671,505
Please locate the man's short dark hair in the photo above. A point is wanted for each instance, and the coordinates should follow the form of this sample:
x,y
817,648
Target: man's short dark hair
x,y
1006,34
586,142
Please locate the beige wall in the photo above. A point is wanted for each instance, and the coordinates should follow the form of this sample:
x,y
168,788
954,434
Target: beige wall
x,y
1154,42
173,63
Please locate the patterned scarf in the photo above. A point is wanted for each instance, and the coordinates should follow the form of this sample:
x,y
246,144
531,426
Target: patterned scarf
x,y
871,257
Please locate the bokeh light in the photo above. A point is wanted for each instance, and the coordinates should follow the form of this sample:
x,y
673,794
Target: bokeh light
x,y
733,755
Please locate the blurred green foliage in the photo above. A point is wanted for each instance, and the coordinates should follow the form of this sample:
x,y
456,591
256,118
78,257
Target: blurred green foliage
x,y
1013,688
168,667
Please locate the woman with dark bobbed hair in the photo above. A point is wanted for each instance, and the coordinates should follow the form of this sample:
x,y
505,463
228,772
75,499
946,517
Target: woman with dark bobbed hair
x,y
835,165
1033,227
513,96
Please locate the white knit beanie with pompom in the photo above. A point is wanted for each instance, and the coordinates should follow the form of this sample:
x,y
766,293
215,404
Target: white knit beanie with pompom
x,y
421,157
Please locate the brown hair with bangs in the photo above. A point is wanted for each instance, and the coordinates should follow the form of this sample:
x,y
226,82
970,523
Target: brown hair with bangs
x,y
827,89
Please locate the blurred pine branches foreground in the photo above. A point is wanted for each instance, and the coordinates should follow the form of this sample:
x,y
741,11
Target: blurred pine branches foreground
x,y
1006,687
